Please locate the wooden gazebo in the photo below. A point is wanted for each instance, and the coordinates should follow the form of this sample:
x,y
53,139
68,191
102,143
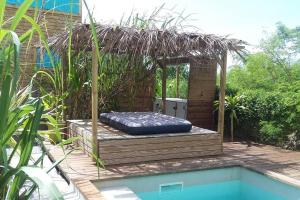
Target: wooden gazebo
x,y
162,46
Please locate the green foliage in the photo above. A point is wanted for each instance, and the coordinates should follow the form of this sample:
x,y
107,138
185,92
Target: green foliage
x,y
233,107
269,81
117,74
20,118
172,82
259,72
270,131
262,107
283,47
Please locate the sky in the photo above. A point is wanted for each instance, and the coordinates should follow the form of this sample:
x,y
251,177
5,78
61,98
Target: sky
x,y
248,20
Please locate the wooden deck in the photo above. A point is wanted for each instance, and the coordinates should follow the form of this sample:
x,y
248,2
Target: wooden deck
x,y
280,164
117,147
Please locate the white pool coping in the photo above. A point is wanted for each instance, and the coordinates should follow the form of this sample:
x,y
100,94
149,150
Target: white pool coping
x,y
119,193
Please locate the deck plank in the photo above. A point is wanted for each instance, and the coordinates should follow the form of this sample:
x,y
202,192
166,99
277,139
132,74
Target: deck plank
x,y
283,164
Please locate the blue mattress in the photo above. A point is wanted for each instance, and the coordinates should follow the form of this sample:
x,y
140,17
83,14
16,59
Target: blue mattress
x,y
143,123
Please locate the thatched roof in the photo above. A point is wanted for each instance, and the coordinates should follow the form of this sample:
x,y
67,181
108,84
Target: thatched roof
x,y
149,42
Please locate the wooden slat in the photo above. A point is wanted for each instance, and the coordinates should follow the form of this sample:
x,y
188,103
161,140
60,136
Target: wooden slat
x,y
151,146
158,152
160,139
201,93
128,149
161,157
198,103
137,150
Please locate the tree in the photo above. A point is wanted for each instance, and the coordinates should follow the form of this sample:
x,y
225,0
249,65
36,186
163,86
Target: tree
x,y
276,63
269,81
283,47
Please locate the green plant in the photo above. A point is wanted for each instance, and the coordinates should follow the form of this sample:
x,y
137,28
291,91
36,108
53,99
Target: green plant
x,y
20,117
270,131
232,107
269,82
117,74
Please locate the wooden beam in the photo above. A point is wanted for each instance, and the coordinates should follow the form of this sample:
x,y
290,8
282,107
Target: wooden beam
x,y
164,88
174,60
95,101
223,65
177,81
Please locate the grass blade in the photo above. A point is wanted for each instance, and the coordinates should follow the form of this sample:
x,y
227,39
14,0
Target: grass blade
x,y
41,35
20,14
2,9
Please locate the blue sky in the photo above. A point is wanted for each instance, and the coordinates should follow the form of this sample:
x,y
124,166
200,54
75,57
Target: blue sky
x,y
243,19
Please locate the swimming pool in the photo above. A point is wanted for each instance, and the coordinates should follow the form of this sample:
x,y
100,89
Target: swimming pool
x,y
233,183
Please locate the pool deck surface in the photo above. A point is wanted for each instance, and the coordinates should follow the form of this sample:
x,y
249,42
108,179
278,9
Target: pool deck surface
x,y
275,162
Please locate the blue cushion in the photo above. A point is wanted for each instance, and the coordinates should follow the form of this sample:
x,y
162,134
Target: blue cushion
x,y
143,123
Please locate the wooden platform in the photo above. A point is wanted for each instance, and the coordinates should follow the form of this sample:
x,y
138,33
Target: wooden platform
x,y
82,171
117,147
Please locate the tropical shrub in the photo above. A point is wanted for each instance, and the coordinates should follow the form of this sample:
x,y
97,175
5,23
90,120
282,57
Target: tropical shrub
x,y
269,81
21,116
270,117
270,132
233,107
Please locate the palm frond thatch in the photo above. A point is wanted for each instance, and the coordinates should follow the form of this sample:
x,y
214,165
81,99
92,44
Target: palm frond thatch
x,y
155,43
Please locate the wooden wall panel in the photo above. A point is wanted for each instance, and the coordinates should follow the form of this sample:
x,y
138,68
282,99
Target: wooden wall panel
x,y
128,149
51,23
159,148
201,94
142,99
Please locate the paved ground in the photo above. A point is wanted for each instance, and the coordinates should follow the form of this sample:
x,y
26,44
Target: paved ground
x,y
67,190
275,162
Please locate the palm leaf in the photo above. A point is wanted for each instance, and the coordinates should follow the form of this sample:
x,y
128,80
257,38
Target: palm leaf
x,y
43,181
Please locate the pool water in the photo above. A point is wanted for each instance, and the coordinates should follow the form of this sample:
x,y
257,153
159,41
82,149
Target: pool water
x,y
229,190
234,183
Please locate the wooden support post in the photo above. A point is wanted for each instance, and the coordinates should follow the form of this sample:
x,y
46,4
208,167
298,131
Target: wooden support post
x,y
95,101
223,65
164,88
64,66
177,81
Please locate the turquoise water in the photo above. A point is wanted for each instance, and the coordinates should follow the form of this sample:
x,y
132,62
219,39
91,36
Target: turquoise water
x,y
232,183
230,190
